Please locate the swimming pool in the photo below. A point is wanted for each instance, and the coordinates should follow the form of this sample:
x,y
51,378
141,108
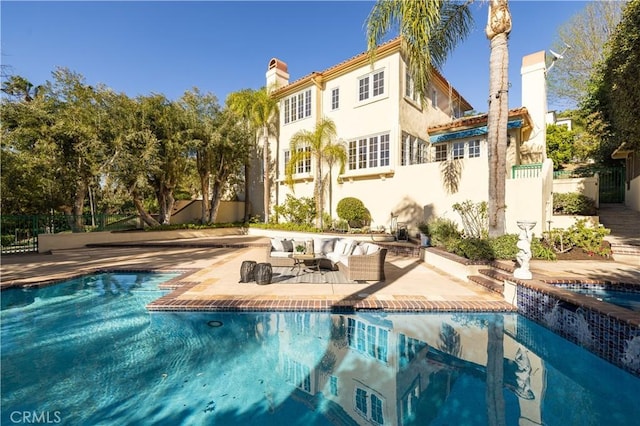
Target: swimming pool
x,y
625,299
87,352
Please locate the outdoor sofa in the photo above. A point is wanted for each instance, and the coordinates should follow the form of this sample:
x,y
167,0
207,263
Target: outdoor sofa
x,y
358,261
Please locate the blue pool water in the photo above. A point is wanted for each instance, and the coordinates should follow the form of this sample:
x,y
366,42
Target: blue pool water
x,y
625,299
87,352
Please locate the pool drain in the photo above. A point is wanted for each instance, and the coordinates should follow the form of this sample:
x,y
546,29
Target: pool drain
x,y
214,323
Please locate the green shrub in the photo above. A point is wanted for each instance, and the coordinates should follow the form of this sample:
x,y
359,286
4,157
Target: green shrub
x,y
504,246
444,233
573,203
354,212
475,218
474,249
588,237
7,240
539,250
300,211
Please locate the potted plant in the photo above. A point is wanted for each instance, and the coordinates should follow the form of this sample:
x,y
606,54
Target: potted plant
x,y
300,249
425,234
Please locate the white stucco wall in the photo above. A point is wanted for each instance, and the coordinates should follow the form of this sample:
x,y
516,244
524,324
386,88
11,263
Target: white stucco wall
x,y
587,186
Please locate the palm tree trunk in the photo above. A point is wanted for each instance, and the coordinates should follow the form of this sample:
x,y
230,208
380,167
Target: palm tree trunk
x,y
267,186
495,372
498,28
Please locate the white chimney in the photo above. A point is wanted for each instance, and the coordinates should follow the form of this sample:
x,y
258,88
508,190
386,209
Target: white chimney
x,y
277,75
534,98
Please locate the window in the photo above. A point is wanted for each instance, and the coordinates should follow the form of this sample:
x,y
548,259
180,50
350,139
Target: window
x,y
369,152
297,107
297,374
409,87
364,89
441,152
286,111
361,401
414,150
376,410
474,149
371,86
434,98
335,98
333,385
304,166
363,408
368,339
378,83
458,150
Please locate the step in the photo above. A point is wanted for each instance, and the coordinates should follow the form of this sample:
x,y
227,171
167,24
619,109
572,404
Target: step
x,y
487,282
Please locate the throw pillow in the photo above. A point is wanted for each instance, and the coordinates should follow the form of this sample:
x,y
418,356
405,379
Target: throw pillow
x,y
276,244
287,245
358,250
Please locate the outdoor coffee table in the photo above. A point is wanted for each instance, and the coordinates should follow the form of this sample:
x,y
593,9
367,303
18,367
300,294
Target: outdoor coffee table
x,y
310,261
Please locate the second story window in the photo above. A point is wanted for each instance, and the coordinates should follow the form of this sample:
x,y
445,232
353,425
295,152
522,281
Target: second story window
x,y
371,86
297,107
335,98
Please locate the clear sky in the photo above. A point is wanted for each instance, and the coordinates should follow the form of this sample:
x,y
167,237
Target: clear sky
x,y
220,47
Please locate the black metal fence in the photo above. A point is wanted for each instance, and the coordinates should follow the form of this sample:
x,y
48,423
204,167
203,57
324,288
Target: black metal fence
x,y
19,233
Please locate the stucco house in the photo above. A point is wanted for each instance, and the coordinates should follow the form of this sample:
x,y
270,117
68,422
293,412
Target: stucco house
x,y
406,158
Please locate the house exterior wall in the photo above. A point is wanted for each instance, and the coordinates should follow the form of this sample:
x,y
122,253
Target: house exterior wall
x,y
416,190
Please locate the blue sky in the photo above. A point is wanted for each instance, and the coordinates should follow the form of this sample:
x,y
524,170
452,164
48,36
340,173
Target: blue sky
x,y
220,47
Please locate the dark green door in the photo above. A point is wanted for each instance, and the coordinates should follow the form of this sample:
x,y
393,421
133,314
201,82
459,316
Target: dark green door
x,y
612,181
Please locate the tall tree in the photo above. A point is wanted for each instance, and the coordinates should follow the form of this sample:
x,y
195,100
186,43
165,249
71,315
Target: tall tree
x,y
582,41
614,93
430,30
76,131
228,152
200,112
261,110
497,30
322,148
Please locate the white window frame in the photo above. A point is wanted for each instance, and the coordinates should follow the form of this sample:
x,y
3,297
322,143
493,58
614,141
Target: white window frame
x,y
439,149
297,106
410,92
335,98
475,148
372,86
368,152
457,150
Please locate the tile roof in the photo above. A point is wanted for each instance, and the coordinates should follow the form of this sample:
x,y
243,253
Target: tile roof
x,y
476,120
389,46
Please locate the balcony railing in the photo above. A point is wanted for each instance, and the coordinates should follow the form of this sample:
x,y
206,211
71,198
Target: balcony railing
x,y
526,171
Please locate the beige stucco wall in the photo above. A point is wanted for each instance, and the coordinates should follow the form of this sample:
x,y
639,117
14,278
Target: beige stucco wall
x,y
49,242
228,212
587,186
632,194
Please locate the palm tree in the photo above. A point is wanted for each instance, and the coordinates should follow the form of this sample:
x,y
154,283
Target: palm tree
x,y
430,30
262,115
323,149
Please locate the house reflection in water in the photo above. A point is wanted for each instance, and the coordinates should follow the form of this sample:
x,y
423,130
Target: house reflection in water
x,y
376,368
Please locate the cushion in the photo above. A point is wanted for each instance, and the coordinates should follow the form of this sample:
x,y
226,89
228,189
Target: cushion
x,y
370,248
276,244
342,245
323,245
280,254
358,250
287,245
